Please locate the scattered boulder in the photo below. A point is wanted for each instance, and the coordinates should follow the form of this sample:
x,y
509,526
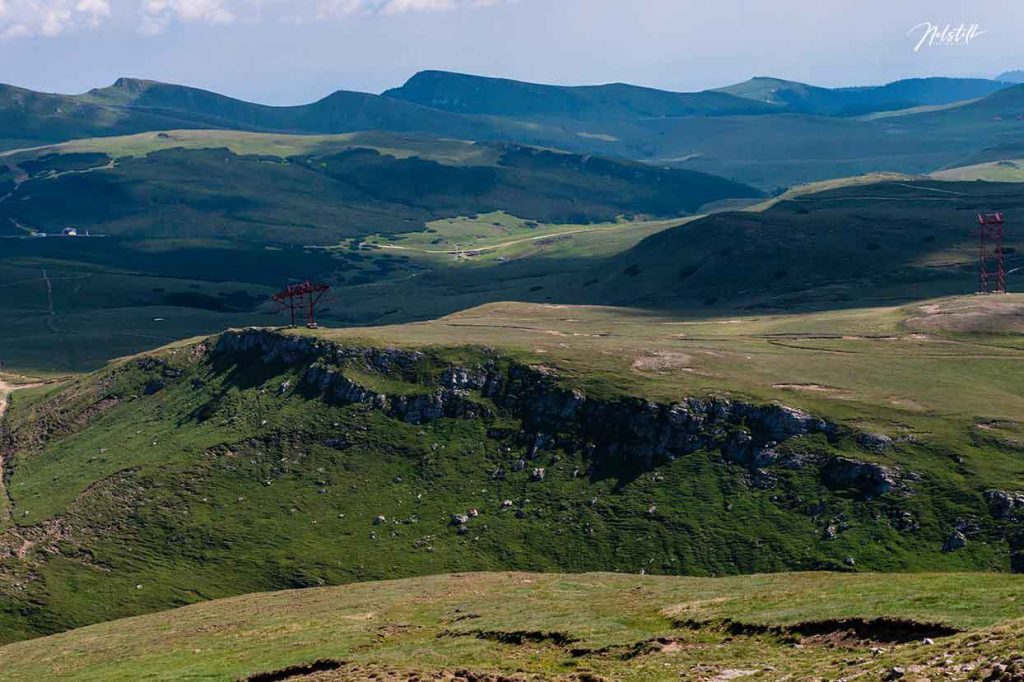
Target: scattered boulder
x,y
1003,503
869,478
904,521
538,474
875,442
956,540
460,519
379,520
337,443
154,386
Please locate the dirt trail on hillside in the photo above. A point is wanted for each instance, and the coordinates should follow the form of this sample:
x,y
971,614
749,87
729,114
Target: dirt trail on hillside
x,y
5,395
5,392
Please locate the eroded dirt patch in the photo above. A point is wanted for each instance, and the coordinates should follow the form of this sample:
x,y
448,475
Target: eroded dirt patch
x,y
88,516
981,314
343,672
659,361
845,631
517,637
296,671
830,391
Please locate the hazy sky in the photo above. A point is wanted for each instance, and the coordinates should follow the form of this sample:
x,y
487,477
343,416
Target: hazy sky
x,y
291,51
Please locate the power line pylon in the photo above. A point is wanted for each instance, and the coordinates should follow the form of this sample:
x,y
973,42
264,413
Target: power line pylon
x,y
991,268
305,295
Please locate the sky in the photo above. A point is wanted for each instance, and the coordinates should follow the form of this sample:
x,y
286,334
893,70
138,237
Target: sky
x,y
296,51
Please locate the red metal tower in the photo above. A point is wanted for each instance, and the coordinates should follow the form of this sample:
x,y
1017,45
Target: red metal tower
x,y
991,269
305,295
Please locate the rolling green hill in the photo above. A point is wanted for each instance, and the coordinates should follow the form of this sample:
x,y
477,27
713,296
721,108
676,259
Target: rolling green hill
x,y
857,101
1002,113
857,243
532,437
332,192
468,94
133,106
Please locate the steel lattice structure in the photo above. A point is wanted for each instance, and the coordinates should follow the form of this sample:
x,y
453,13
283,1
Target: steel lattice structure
x,y
991,268
304,295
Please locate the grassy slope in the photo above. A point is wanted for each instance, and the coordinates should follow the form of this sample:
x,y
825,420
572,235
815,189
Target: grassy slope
x,y
133,106
339,191
1008,170
893,362
783,145
845,245
469,94
451,152
853,101
428,624
220,483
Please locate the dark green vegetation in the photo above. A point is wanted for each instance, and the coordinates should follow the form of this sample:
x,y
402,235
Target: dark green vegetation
x,y
527,626
262,461
200,237
801,133
467,94
788,132
866,244
320,199
134,106
902,94
201,262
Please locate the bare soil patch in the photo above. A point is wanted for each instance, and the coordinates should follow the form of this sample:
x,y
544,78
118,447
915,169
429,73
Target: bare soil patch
x,y
659,361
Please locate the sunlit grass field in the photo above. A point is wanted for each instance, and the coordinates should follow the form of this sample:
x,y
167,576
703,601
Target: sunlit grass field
x,y
613,627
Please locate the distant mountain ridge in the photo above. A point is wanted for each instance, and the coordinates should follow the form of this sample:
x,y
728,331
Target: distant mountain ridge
x,y
463,93
767,132
442,103
855,101
133,105
468,94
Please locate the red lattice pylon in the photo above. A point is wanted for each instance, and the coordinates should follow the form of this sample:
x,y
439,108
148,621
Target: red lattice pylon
x,y
302,296
991,269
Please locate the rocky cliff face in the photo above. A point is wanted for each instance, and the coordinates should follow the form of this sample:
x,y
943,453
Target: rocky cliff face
x,y
627,430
